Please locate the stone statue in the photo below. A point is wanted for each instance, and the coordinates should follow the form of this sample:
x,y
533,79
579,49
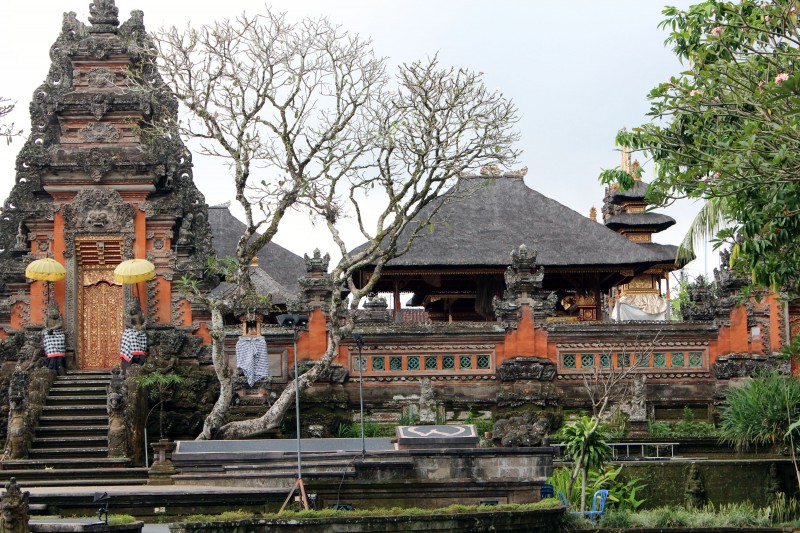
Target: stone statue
x,y
134,318
54,340
21,238
695,492
14,516
118,444
133,348
18,431
186,235
427,404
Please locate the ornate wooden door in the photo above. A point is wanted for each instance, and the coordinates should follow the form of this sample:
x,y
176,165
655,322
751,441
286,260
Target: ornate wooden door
x,y
100,303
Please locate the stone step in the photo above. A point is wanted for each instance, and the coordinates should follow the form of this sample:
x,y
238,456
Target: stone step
x,y
83,453
79,391
66,464
86,382
78,441
55,420
73,410
140,480
77,477
84,400
75,430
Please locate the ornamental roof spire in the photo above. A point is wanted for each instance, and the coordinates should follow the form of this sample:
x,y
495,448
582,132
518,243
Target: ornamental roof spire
x,y
103,15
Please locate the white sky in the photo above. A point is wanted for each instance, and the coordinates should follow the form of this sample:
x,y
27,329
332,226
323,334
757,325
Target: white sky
x,y
578,71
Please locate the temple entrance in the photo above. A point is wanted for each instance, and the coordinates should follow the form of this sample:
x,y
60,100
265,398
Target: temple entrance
x,y
100,302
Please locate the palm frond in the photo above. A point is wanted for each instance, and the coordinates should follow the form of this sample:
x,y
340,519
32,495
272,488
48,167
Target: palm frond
x,y
711,218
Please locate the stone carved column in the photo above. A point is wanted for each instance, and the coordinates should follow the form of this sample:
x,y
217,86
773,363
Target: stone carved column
x,y
14,514
118,423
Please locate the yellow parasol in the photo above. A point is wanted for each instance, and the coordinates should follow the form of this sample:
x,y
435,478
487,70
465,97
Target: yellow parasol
x,y
134,271
45,270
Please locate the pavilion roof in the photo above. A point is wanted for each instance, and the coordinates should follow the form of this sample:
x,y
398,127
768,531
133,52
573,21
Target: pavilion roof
x,y
482,220
275,261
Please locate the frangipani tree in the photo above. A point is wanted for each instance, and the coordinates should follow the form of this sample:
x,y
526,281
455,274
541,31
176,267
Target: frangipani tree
x,y
726,129
307,118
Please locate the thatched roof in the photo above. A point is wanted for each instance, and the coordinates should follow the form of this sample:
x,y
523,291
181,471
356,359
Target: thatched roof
x,y
281,265
654,222
263,284
635,193
482,221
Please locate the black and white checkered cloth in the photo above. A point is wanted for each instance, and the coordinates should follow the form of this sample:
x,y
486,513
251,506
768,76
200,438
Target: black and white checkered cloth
x,y
54,343
251,357
134,343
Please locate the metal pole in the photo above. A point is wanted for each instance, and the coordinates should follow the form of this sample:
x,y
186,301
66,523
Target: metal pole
x,y
361,397
297,402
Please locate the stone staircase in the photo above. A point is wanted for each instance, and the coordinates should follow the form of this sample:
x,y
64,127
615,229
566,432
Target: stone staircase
x,y
70,445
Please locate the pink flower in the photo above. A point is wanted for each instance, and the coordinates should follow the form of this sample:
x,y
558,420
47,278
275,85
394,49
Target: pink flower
x,y
767,18
715,100
717,174
782,77
717,30
761,85
694,92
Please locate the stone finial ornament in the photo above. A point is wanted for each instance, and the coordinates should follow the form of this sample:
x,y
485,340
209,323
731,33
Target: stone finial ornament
x,y
317,264
103,15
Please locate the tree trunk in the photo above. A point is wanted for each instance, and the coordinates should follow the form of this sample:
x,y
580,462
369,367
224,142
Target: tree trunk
x,y
216,418
584,472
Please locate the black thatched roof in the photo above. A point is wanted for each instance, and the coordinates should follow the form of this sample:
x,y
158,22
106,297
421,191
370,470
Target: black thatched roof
x,y
482,226
263,283
667,252
635,193
279,263
654,222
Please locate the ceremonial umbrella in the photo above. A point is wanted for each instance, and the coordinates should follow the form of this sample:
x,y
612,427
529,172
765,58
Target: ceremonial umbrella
x,y
133,271
45,270
48,270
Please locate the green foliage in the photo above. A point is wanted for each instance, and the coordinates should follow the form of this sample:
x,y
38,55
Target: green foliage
x,y
482,425
227,516
618,425
580,436
548,503
120,519
371,429
680,298
687,427
622,495
157,383
727,129
783,510
761,412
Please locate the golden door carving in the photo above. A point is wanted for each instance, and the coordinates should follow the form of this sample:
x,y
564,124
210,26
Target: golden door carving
x,y
100,324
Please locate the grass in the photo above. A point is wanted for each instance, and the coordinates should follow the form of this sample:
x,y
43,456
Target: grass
x,y
734,515
394,511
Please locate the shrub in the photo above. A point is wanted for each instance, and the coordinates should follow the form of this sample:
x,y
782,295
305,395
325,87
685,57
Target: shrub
x,y
761,411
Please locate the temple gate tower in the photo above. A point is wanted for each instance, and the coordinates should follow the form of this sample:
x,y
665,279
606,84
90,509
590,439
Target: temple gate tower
x,y
98,183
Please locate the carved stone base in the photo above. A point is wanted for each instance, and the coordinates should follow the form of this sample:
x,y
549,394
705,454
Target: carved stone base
x,y
535,368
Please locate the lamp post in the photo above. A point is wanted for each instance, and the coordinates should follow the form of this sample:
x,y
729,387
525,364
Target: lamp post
x,y
295,322
359,340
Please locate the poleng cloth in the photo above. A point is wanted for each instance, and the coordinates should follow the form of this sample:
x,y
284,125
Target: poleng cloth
x,y
134,343
251,357
54,343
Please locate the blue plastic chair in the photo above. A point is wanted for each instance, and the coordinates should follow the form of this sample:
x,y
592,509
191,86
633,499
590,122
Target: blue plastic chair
x,y
546,491
598,506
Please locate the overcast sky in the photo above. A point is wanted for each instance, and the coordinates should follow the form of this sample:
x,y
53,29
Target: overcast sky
x,y
577,70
